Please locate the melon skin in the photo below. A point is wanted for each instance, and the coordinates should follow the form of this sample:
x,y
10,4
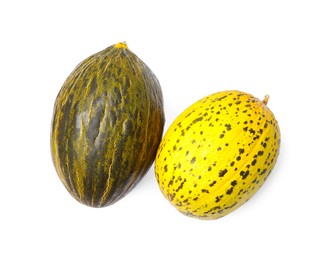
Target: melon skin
x,y
107,123
217,154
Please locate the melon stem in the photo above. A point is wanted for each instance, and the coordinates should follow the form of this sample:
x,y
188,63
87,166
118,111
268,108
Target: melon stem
x,y
121,45
265,100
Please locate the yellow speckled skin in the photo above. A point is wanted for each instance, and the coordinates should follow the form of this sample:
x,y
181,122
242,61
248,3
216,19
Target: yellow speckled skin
x,y
217,154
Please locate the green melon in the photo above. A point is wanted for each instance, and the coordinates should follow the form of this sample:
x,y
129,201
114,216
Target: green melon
x,y
107,124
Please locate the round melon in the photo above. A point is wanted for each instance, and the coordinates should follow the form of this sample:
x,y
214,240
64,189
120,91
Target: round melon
x,y
217,154
107,124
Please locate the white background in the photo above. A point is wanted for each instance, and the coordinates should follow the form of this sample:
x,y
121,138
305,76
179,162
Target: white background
x,y
195,48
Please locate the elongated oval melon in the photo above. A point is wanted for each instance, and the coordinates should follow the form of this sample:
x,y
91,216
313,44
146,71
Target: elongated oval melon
x,y
107,124
217,153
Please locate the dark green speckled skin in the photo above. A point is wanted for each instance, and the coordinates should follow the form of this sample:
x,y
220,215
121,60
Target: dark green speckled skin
x,y
107,123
